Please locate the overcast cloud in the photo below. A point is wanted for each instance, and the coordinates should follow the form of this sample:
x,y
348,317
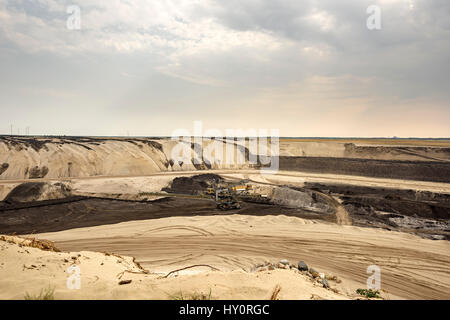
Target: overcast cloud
x,y
308,68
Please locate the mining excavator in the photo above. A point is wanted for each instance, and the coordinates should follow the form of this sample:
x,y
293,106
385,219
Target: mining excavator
x,y
225,200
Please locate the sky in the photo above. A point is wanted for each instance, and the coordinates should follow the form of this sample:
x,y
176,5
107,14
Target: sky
x,y
308,68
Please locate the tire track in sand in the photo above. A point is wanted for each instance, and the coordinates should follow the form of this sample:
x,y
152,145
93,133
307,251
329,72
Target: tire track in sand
x,y
412,267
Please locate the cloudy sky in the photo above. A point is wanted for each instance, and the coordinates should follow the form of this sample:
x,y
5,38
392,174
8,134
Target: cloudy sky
x,y
148,67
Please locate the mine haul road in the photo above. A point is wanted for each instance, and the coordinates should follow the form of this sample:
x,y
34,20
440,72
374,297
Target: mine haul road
x,y
280,177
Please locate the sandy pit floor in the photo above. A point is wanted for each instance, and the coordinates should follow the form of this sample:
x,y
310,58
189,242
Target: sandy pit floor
x,y
164,237
31,273
411,267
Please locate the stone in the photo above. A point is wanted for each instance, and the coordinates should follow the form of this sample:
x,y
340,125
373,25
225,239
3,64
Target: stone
x,y
284,261
262,269
313,273
325,283
330,277
122,282
302,266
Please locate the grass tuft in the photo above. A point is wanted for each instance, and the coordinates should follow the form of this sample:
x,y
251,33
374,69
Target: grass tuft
x,y
45,294
192,296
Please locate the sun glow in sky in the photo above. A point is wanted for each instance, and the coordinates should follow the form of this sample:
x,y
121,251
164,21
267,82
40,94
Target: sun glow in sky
x,y
307,68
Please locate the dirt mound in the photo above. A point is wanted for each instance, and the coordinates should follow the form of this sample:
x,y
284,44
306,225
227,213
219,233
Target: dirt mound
x,y
26,192
43,244
295,197
37,191
36,172
194,184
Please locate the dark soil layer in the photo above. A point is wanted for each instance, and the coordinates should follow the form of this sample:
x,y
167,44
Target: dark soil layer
x,y
424,212
3,167
408,170
29,192
37,173
357,151
193,185
25,191
96,212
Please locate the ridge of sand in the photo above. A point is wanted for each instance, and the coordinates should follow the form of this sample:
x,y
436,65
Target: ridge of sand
x,y
28,270
64,157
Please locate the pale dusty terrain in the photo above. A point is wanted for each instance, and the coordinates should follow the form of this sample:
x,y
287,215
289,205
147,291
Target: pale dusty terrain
x,y
63,158
28,157
129,186
25,270
412,267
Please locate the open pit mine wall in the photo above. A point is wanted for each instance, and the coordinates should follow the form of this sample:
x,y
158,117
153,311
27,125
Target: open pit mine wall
x,y
26,158
62,157
396,162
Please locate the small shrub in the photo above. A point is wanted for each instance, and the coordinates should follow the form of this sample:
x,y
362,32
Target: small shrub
x,y
192,296
369,293
45,294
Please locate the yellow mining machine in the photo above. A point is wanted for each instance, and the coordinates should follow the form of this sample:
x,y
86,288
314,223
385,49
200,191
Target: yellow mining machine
x,y
225,199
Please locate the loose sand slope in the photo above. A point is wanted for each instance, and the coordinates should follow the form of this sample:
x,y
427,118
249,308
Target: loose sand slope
x,y
27,158
26,270
61,157
411,267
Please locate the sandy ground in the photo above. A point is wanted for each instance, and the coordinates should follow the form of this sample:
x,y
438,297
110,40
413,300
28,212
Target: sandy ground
x,y
131,185
28,271
412,267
